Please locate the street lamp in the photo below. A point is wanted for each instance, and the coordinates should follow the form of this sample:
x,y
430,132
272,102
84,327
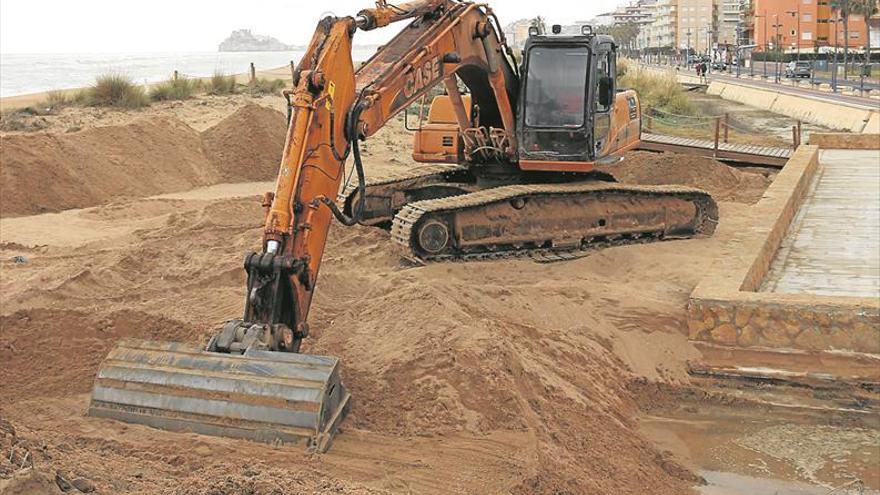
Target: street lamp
x,y
776,43
688,54
764,48
836,21
798,39
709,34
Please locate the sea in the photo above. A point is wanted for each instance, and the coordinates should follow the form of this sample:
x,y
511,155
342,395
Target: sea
x,y
22,73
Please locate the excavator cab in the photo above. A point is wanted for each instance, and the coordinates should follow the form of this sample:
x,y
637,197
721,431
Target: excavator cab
x,y
566,99
569,112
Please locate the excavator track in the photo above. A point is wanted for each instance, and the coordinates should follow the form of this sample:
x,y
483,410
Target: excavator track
x,y
387,194
551,222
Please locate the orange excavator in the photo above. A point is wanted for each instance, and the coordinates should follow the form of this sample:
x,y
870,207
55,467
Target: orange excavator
x,y
513,146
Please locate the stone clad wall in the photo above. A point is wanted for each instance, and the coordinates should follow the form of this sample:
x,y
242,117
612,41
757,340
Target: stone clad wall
x,y
724,308
808,324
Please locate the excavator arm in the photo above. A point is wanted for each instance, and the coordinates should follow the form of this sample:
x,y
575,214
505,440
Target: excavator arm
x,y
251,381
332,108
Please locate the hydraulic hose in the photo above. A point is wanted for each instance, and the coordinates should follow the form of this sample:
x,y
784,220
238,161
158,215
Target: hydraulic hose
x,y
351,133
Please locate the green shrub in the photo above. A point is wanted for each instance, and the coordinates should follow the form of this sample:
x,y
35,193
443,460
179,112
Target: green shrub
x,y
116,90
221,84
174,89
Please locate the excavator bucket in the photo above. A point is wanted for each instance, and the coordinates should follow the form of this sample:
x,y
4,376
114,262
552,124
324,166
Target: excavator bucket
x,y
275,397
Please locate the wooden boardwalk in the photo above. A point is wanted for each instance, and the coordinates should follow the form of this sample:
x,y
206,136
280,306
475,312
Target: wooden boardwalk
x,y
833,245
741,153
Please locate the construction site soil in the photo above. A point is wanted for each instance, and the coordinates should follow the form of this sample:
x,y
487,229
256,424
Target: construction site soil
x,y
481,377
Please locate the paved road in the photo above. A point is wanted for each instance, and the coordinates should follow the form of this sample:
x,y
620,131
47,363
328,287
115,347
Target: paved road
x,y
833,245
853,101
745,80
853,81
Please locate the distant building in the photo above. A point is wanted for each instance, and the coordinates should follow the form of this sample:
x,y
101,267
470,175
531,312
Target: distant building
x,y
634,13
517,33
662,33
729,22
803,24
577,27
697,27
874,32
606,19
683,24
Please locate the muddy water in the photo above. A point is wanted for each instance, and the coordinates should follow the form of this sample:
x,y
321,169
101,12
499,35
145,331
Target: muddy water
x,y
719,483
756,452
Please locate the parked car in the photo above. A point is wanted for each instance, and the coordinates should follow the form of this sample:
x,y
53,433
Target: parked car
x,y
719,66
799,68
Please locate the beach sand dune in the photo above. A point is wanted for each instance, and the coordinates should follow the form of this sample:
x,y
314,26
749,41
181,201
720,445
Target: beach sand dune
x,y
484,377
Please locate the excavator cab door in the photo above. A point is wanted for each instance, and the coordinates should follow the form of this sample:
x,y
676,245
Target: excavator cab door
x,y
553,121
603,92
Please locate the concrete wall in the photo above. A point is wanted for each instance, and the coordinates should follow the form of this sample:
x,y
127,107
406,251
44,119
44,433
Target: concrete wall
x,y
825,113
813,110
846,141
724,308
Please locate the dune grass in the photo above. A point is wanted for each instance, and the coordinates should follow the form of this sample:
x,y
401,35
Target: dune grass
x,y
658,91
57,99
115,90
175,89
221,84
623,66
266,86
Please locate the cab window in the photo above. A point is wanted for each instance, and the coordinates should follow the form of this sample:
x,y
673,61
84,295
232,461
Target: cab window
x,y
556,86
604,82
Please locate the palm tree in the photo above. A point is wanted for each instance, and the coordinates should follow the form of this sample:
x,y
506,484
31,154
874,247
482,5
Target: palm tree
x,y
845,8
867,8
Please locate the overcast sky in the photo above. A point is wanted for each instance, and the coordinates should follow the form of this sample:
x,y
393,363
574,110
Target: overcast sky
x,y
101,26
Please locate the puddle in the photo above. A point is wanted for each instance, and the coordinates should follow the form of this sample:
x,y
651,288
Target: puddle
x,y
737,484
757,451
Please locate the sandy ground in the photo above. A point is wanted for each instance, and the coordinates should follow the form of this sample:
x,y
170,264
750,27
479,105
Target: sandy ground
x,y
482,377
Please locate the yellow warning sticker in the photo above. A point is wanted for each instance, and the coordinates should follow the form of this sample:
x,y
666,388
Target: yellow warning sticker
x,y
331,90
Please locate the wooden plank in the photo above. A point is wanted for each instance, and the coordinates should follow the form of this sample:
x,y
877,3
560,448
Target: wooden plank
x,y
746,153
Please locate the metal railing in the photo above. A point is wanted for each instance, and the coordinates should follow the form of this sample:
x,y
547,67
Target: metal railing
x,y
720,129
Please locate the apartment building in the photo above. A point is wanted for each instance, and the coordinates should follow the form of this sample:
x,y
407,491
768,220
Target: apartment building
x,y
662,31
791,25
729,22
679,24
697,24
646,37
517,32
634,13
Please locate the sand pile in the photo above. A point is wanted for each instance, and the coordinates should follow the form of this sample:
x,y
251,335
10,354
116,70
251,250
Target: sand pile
x,y
31,336
490,377
499,377
248,144
51,172
723,182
